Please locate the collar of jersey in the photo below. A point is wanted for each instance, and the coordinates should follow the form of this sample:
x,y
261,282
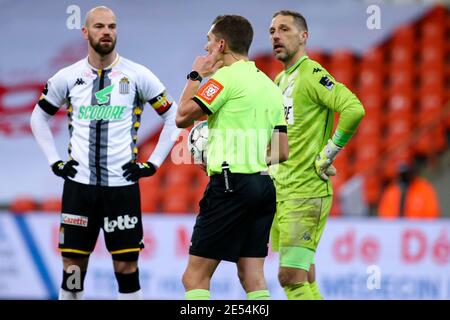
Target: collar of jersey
x,y
116,60
291,69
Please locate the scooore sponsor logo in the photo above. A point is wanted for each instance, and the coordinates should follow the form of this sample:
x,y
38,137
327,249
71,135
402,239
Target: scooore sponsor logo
x,y
102,110
122,223
74,220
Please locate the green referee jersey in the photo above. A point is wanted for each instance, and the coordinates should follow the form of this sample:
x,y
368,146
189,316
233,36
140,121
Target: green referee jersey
x,y
244,107
311,96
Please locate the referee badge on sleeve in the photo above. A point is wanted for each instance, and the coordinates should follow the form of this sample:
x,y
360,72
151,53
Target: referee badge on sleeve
x,y
124,86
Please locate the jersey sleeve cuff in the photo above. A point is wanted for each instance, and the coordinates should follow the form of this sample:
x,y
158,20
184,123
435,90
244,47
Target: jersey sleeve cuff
x,y
281,129
202,105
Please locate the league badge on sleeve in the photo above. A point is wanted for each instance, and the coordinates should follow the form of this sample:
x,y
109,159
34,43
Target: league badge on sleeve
x,y
326,82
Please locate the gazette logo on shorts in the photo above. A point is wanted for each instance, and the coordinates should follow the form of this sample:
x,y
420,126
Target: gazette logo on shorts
x,y
210,90
74,220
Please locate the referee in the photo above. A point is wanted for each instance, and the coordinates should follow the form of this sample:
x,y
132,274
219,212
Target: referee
x,y
247,131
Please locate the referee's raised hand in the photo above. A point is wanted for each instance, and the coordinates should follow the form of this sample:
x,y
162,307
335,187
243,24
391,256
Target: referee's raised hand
x,y
208,64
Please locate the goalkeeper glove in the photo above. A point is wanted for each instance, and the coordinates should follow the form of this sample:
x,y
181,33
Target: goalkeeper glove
x,y
324,160
135,170
65,169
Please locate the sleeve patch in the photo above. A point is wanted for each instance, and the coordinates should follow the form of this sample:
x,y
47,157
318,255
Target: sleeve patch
x,y
326,82
210,90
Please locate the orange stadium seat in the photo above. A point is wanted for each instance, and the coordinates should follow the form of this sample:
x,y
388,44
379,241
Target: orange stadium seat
x,y
318,56
180,175
372,101
367,156
398,132
431,140
401,55
432,32
177,200
431,106
400,104
22,204
374,57
342,67
404,35
151,201
431,78
371,78
52,204
402,79
202,179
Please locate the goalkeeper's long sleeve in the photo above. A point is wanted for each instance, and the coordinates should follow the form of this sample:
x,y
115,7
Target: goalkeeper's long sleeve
x,y
341,100
43,135
350,115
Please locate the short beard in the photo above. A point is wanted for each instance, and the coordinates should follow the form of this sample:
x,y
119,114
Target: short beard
x,y
283,57
101,50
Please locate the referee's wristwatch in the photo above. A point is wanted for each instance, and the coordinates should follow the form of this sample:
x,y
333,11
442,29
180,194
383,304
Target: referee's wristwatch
x,y
194,76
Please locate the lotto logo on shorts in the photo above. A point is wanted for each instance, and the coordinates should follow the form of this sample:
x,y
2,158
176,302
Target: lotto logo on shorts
x,y
122,223
210,90
74,220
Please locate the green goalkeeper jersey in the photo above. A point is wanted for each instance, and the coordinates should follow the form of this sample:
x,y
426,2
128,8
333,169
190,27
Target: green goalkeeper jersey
x,y
311,96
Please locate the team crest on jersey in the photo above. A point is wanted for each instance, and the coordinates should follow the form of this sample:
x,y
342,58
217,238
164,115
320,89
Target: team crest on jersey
x,y
124,86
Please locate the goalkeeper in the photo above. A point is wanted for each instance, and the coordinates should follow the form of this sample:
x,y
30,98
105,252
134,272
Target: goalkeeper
x,y
304,190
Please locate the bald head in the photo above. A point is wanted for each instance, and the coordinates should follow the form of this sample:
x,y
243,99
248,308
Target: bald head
x,y
100,12
100,30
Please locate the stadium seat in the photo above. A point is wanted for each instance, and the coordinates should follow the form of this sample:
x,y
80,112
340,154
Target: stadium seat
x,y
404,35
432,32
151,201
180,175
398,132
22,204
177,200
371,78
431,106
151,189
342,67
374,57
431,79
402,79
367,156
52,204
318,56
372,100
401,55
400,104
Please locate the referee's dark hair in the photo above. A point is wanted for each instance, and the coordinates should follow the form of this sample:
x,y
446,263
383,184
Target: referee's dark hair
x,y
299,19
235,30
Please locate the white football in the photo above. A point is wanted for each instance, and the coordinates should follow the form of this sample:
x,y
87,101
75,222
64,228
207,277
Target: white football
x,y
198,142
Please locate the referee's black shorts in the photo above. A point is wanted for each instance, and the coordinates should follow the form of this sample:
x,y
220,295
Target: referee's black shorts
x,y
235,225
88,208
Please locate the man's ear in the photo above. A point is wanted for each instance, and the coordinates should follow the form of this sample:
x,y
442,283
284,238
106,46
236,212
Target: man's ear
x,y
84,31
303,36
221,46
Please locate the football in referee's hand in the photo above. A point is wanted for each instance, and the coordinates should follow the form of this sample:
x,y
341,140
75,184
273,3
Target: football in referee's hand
x,y
198,142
